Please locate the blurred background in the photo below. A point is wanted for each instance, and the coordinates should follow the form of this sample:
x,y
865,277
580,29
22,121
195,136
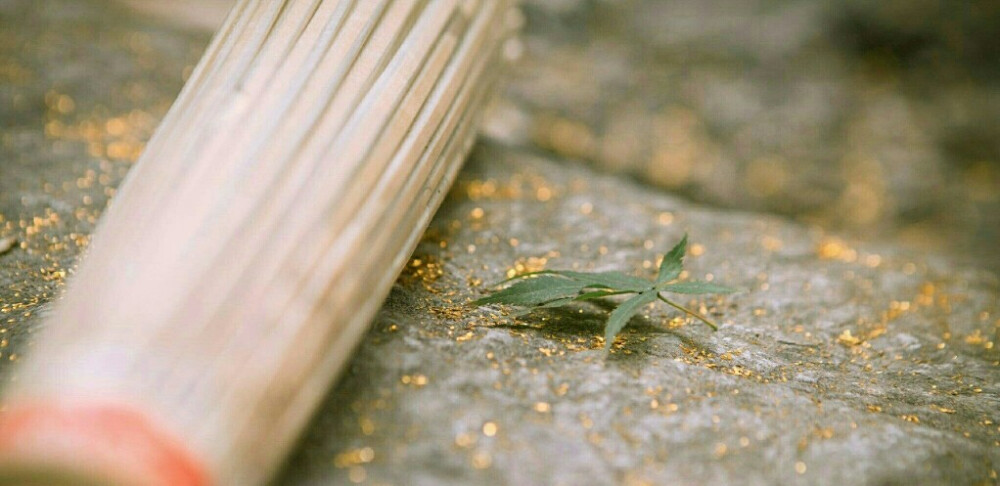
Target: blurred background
x,y
879,120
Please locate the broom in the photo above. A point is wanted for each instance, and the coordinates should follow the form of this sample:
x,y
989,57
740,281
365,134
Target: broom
x,y
248,249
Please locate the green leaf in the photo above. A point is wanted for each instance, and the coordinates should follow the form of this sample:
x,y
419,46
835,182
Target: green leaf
x,y
623,313
556,288
610,280
601,293
548,305
673,262
696,288
534,291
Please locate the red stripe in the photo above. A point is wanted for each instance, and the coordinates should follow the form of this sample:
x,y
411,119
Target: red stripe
x,y
110,435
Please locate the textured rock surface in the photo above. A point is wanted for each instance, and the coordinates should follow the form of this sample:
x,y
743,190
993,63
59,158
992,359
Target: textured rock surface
x,y
835,365
841,361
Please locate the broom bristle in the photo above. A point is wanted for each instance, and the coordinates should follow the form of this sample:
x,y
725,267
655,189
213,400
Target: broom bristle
x,y
251,245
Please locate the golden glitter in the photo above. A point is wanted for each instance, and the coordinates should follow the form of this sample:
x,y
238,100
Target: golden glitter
x,y
367,426
567,137
665,218
542,407
845,338
482,460
477,213
586,208
490,429
65,105
465,440
910,418
943,409
800,467
697,250
543,194
720,449
744,441
975,338
354,457
836,249
873,260
115,127
357,474
528,265
366,454
770,243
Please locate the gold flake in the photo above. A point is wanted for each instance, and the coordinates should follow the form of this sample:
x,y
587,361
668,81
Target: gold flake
x,y
367,426
975,338
771,243
942,409
720,449
357,474
847,339
482,460
465,440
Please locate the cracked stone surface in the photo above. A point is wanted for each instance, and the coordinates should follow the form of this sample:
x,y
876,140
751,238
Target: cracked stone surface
x,y
842,360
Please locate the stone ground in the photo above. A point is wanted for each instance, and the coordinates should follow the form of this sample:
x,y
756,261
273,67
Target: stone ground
x,y
859,351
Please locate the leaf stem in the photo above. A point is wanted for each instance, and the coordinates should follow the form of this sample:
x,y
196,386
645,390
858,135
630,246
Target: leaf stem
x,y
689,311
599,293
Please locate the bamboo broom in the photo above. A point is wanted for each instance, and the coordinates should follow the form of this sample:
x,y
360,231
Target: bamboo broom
x,y
253,242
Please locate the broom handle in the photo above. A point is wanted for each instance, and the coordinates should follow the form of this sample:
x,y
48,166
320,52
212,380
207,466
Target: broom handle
x,y
249,248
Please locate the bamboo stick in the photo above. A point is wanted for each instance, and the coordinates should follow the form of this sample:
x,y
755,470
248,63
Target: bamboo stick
x,y
248,249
